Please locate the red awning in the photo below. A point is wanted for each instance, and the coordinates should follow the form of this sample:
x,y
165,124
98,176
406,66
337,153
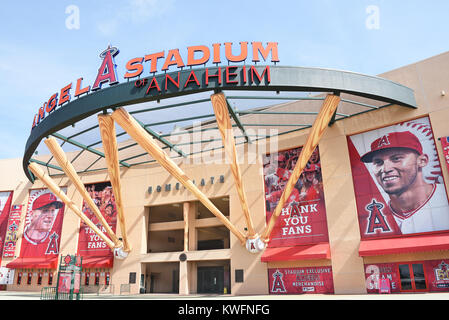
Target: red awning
x,y
34,263
98,262
403,245
307,252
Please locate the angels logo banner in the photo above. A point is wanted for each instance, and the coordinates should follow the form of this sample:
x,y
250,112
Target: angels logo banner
x,y
43,224
89,243
5,206
398,181
303,218
301,280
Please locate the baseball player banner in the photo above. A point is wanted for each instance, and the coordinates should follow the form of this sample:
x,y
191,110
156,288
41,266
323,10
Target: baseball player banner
x,y
5,206
43,224
301,280
303,218
89,243
9,246
398,181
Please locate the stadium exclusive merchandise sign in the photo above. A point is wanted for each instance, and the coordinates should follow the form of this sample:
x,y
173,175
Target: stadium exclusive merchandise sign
x,y
301,280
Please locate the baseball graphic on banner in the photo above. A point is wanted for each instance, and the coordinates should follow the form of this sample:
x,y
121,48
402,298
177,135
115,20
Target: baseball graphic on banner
x,y
398,180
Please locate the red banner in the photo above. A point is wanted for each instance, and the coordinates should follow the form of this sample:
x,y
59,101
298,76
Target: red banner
x,y
303,218
398,181
445,146
9,246
43,224
437,274
89,243
5,206
301,280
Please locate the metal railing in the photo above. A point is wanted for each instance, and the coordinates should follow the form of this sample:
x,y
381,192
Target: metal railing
x,y
51,293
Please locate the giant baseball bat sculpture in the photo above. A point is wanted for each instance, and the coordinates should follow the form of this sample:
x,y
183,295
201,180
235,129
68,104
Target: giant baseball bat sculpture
x,y
321,122
70,171
224,124
38,172
135,130
107,131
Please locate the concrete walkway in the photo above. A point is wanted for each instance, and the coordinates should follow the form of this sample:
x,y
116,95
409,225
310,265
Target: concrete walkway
x,y
18,295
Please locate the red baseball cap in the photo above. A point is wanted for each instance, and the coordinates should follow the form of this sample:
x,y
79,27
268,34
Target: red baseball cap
x,y
313,167
404,139
45,200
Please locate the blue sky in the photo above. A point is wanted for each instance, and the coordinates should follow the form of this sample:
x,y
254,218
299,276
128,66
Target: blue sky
x,y
39,54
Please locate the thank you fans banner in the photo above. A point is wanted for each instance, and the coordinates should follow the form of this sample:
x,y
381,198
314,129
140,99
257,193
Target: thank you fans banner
x,y
303,218
89,243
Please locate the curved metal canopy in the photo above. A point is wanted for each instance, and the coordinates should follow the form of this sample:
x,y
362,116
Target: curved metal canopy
x,y
281,79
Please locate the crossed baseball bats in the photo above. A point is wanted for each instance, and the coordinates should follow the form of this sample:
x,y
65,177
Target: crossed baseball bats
x,y
254,242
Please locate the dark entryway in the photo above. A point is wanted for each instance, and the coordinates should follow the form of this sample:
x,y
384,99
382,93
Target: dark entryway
x,y
210,279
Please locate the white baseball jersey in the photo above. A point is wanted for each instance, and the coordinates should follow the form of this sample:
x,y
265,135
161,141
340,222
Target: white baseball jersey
x,y
432,215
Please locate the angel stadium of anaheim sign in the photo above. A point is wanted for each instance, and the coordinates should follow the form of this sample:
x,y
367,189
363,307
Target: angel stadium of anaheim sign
x,y
160,62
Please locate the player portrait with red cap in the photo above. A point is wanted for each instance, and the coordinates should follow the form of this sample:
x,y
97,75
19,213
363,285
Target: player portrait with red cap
x,y
42,228
404,164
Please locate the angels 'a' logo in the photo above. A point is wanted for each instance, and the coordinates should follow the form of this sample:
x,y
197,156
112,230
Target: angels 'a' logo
x,y
53,247
376,219
384,141
278,283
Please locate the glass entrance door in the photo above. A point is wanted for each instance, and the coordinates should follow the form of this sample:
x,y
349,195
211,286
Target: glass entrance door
x,y
412,277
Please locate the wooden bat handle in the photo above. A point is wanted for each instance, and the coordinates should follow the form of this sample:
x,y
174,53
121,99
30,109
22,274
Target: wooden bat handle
x,y
224,124
107,131
38,172
319,126
135,130
70,171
